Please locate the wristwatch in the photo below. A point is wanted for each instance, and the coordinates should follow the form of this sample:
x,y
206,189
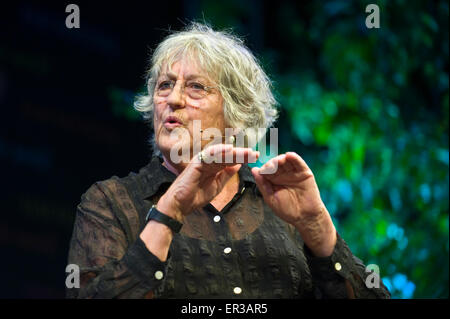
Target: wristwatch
x,y
155,214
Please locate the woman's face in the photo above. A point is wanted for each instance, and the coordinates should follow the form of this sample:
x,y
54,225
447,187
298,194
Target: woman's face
x,y
179,110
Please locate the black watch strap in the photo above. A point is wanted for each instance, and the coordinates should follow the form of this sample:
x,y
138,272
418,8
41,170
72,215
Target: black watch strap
x,y
155,214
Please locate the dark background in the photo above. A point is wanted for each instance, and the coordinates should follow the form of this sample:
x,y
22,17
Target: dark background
x,y
367,109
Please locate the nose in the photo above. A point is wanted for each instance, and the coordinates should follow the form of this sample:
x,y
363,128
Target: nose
x,y
175,99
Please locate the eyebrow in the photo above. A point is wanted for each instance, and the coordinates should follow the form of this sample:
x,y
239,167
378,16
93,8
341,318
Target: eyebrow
x,y
172,75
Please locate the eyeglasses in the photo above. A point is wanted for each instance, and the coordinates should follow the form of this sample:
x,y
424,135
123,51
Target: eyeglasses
x,y
194,90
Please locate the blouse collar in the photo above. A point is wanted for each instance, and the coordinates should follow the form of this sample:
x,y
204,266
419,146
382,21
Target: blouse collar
x,y
156,175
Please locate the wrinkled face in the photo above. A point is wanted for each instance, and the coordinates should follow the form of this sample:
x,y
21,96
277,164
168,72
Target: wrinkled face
x,y
178,109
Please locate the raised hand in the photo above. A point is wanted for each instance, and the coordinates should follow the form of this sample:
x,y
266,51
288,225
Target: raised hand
x,y
291,191
202,180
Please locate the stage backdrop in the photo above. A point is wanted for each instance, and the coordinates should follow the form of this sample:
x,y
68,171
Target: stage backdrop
x,y
367,108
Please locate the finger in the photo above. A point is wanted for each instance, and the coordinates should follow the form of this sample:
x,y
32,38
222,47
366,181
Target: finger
x,y
227,154
231,170
228,172
244,155
264,186
285,165
277,166
238,155
296,161
271,167
282,164
213,153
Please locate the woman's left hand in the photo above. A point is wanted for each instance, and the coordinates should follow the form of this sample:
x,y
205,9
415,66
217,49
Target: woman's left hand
x,y
288,186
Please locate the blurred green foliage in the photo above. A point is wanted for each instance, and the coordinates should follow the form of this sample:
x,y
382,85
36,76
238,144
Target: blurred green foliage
x,y
368,110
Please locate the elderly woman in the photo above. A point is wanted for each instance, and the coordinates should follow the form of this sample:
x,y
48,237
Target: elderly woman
x,y
211,229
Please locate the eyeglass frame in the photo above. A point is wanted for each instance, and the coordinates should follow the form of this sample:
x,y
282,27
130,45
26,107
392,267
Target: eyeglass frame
x,y
173,84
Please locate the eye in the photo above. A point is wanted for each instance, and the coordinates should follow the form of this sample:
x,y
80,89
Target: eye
x,y
196,86
165,85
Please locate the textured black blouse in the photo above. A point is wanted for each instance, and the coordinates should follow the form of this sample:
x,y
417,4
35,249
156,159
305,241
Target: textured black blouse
x,y
243,251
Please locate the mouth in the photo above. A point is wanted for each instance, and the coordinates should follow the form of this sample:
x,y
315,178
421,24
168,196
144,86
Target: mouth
x,y
172,121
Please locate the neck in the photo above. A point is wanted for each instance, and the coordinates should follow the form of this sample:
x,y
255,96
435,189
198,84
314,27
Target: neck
x,y
172,167
227,193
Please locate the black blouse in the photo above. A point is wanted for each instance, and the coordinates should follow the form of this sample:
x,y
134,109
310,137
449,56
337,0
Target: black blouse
x,y
243,251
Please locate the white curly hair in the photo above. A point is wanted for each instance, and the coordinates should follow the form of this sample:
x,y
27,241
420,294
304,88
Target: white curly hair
x,y
243,84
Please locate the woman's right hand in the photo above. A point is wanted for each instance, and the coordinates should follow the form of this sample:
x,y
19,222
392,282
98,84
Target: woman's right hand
x,y
202,180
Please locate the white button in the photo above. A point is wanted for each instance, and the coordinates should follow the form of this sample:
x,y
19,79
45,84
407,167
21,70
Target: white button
x,y
338,266
217,218
243,189
237,290
159,275
227,250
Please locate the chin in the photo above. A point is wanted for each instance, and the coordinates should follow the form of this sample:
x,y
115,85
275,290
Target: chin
x,y
178,149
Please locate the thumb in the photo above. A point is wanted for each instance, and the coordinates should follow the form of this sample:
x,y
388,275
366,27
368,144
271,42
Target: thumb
x,y
224,175
264,186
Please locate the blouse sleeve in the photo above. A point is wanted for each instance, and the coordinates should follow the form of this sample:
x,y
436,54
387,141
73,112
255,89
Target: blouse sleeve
x,y
342,275
110,266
